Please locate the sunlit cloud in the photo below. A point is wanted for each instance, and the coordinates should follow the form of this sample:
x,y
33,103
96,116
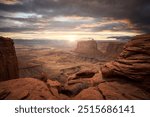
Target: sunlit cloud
x,y
73,19
10,1
104,23
26,15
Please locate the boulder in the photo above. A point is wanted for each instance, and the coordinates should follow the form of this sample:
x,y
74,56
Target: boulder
x,y
8,60
89,94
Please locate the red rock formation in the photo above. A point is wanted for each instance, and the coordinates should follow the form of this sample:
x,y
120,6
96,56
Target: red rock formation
x,y
89,94
24,88
8,60
133,62
113,49
88,48
113,90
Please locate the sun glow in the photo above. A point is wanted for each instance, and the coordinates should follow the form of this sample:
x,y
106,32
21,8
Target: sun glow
x,y
72,38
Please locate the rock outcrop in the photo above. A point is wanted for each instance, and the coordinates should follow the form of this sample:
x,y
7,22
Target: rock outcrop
x,y
88,87
88,48
25,88
113,90
133,62
8,60
111,49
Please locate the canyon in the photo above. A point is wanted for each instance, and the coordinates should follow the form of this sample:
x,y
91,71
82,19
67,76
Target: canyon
x,y
89,71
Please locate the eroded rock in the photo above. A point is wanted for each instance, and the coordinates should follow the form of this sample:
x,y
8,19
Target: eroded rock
x,y
8,60
133,62
89,94
25,88
88,48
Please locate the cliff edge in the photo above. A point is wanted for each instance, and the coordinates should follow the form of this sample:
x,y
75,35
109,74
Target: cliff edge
x,y
8,60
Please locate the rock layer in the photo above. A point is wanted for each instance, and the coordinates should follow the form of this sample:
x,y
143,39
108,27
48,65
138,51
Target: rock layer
x,y
133,62
88,48
8,60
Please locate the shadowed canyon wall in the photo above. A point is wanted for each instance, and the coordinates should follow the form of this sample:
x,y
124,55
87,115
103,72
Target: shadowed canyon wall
x,y
8,60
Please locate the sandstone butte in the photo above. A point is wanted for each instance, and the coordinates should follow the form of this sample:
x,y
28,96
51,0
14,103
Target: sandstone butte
x,y
127,77
88,48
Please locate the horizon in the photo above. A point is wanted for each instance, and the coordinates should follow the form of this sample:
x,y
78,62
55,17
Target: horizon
x,y
76,40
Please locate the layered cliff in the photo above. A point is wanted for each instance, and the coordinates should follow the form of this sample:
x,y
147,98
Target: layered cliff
x,y
88,48
133,62
8,60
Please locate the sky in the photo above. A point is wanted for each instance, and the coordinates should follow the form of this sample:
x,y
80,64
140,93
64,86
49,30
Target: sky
x,y
74,19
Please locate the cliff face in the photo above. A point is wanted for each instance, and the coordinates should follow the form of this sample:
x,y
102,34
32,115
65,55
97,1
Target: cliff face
x,y
133,62
8,60
110,49
114,49
107,50
88,48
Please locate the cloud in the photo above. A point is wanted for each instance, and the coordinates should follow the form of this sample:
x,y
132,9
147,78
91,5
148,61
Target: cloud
x,y
121,38
78,15
10,1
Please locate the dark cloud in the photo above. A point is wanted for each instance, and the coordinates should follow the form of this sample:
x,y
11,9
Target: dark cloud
x,y
114,26
136,11
16,29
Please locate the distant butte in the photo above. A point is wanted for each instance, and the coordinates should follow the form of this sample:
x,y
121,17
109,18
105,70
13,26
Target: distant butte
x,y
88,48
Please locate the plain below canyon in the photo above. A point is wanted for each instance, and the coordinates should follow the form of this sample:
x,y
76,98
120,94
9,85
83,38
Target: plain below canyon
x,y
82,70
